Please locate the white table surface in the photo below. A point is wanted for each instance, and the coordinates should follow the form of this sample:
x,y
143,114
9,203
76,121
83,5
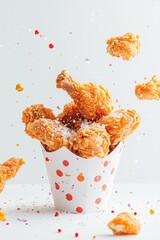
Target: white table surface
x,y
30,214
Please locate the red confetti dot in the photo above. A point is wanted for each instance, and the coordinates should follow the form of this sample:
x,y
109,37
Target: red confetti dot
x,y
7,223
105,164
56,214
18,208
57,187
36,32
47,159
112,211
59,173
65,163
97,178
112,171
69,197
135,213
79,209
98,200
51,45
59,230
76,234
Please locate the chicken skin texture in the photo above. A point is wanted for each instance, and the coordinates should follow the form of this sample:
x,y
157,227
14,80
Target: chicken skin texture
x,y
124,224
119,124
149,90
92,100
9,170
49,132
71,117
126,46
91,141
35,112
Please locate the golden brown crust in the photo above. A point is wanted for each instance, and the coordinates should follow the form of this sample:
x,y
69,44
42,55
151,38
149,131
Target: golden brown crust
x,y
91,141
120,124
124,224
71,117
48,132
35,112
9,170
149,90
126,46
92,100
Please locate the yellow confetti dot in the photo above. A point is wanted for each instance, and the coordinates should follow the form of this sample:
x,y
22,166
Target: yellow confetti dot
x,y
17,144
2,216
151,211
19,87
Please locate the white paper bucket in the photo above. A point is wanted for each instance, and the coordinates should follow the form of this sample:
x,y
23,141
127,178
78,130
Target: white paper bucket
x,y
81,185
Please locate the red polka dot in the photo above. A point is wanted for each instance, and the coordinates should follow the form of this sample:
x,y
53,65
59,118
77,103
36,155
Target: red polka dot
x,y
112,171
47,159
79,209
57,186
59,173
51,45
69,197
97,178
105,164
98,200
65,163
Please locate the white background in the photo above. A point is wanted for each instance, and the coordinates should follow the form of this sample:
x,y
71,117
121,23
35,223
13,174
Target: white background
x,y
78,29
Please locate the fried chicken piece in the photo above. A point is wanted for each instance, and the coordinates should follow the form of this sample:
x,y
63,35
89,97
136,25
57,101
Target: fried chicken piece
x,y
35,112
9,170
71,117
124,224
120,124
92,100
91,141
149,90
49,132
126,46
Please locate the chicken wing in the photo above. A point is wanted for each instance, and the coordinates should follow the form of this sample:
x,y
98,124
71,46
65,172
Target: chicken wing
x,y
149,90
49,132
9,170
120,124
126,46
124,224
71,117
35,112
91,141
92,100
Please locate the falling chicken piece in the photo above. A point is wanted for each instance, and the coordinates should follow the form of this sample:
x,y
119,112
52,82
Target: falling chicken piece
x,y
126,46
9,170
149,90
124,224
90,141
92,100
35,112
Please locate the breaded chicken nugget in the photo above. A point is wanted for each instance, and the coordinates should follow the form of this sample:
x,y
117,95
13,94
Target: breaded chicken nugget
x,y
126,46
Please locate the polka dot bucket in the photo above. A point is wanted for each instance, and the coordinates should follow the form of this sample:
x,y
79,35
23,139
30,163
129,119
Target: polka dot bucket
x,y
81,185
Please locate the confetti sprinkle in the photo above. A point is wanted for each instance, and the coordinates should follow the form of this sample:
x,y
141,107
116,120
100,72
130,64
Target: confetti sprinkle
x,y
151,211
87,60
22,220
59,230
76,234
56,214
19,87
51,45
135,213
17,144
36,32
2,216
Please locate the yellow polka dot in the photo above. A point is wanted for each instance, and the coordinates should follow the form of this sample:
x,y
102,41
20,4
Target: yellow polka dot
x,y
2,216
151,211
19,87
